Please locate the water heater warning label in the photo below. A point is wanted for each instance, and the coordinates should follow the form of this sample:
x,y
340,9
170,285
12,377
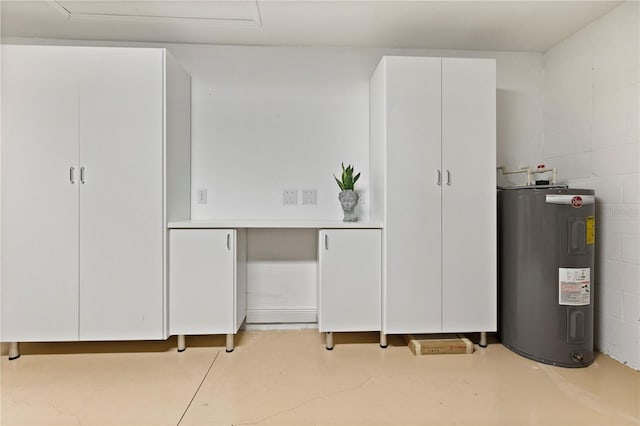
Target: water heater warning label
x,y
575,286
591,230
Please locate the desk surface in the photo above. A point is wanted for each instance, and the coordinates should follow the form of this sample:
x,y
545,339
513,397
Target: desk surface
x,y
260,223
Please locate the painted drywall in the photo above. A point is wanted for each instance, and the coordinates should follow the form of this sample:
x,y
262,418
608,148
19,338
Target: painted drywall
x,y
266,119
591,122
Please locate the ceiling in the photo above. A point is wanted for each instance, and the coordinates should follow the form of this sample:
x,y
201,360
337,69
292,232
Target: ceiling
x,y
463,25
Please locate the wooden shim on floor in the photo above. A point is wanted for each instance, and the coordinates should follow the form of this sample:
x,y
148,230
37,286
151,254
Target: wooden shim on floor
x,y
430,344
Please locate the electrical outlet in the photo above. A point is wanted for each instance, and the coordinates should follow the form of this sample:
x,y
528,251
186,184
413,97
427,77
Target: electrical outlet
x,y
309,196
202,196
290,196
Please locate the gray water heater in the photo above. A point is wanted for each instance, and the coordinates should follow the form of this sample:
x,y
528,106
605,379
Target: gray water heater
x,y
546,253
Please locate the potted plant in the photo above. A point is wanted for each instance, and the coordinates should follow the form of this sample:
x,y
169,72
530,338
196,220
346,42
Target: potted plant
x,y
348,197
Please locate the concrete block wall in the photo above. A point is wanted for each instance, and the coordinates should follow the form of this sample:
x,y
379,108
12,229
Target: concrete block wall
x,y
591,134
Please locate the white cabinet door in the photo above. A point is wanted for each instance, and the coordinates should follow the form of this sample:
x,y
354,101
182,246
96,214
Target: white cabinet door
x,y
121,199
469,198
202,281
413,223
39,199
349,279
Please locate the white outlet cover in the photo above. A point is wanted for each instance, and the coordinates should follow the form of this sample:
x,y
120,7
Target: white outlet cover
x,y
309,196
202,196
290,196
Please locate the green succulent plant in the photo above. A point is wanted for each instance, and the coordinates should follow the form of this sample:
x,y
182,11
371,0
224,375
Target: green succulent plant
x,y
348,180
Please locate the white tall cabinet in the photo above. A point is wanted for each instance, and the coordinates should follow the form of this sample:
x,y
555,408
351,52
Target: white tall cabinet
x,y
95,162
433,184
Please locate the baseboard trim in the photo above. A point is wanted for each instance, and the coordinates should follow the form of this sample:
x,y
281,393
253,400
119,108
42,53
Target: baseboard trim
x,y
278,316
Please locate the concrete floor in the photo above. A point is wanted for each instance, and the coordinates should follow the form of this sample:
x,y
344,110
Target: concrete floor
x,y
288,378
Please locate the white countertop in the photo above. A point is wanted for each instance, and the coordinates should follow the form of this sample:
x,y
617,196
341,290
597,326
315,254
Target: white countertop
x,y
273,223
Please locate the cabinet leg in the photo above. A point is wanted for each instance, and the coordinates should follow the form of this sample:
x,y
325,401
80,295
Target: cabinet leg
x,y
483,339
229,342
383,340
14,350
329,340
181,343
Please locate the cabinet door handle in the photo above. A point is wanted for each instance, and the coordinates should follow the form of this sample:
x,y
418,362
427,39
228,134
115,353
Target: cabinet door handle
x,y
82,180
228,241
448,178
326,242
438,177
72,175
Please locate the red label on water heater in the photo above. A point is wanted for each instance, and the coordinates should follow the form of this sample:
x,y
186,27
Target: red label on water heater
x,y
576,201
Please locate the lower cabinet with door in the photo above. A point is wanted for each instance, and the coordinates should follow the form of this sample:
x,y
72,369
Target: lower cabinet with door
x,y
349,281
207,283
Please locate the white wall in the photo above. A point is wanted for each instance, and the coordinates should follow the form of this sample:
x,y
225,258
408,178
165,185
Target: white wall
x,y
591,122
268,119
272,118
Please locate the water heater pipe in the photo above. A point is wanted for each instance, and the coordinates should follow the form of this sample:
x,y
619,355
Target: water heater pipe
x,y
530,172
